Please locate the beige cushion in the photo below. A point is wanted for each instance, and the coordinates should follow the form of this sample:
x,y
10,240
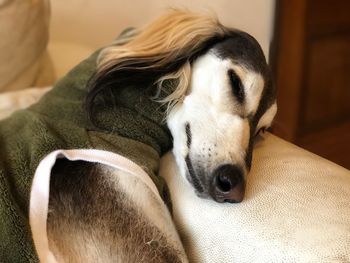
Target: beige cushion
x,y
296,209
66,55
24,35
19,99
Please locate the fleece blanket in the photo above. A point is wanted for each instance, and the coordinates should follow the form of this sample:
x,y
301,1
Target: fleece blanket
x,y
133,128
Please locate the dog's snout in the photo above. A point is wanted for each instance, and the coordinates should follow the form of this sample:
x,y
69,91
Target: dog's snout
x,y
228,184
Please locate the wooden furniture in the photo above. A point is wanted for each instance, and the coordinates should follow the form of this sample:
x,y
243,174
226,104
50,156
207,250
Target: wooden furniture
x,y
310,58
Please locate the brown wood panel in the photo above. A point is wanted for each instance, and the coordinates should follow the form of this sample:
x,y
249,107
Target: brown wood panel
x,y
327,17
310,59
332,143
327,84
288,60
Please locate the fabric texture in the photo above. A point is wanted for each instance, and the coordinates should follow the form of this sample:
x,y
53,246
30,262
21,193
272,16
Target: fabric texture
x,y
24,35
296,209
134,129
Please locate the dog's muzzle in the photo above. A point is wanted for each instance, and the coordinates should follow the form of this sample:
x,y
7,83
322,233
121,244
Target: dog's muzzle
x,y
228,184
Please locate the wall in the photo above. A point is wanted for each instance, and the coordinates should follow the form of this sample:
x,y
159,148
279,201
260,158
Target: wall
x,y
108,17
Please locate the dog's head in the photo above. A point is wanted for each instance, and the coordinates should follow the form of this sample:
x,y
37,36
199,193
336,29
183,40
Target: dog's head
x,y
230,99
223,98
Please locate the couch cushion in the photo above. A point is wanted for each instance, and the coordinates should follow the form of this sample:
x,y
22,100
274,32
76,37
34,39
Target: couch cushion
x,y
65,55
296,209
24,35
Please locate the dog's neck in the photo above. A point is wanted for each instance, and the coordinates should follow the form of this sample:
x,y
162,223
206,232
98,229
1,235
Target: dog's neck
x,y
138,115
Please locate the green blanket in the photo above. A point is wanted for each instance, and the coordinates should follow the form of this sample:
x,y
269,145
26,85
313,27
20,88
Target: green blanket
x,y
134,128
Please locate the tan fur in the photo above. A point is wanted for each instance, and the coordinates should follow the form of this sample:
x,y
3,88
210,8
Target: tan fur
x,y
125,229
164,40
183,76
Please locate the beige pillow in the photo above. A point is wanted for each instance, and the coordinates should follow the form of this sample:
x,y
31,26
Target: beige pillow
x,y
296,209
24,35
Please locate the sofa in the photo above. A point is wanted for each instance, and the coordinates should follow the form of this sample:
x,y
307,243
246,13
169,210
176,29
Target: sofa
x,y
297,204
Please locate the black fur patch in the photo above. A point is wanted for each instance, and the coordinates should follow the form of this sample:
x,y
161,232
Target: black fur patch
x,y
191,171
188,135
196,183
242,48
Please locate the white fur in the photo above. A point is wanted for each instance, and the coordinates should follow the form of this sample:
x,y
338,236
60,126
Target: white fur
x,y
267,118
151,206
254,85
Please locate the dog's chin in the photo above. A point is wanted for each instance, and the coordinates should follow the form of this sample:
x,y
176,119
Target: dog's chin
x,y
202,195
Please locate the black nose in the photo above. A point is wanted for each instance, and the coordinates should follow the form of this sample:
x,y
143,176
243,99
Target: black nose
x,y
228,184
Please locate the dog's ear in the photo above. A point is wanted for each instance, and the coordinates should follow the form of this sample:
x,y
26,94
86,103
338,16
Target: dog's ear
x,y
161,48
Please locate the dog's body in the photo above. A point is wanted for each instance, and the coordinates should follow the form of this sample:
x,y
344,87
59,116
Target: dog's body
x,y
221,99
106,216
228,98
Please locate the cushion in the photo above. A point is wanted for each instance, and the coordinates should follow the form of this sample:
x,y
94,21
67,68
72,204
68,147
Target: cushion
x,y
20,99
296,209
66,55
24,26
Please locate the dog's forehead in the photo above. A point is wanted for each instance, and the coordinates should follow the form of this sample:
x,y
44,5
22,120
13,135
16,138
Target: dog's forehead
x,y
243,49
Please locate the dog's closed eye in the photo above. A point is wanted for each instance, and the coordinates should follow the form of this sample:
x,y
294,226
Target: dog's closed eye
x,y
236,85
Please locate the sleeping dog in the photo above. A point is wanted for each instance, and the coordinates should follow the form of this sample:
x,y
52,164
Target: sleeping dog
x,y
184,82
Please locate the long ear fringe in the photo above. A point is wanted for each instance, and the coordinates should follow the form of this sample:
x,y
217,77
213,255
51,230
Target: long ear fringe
x,y
162,50
182,76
